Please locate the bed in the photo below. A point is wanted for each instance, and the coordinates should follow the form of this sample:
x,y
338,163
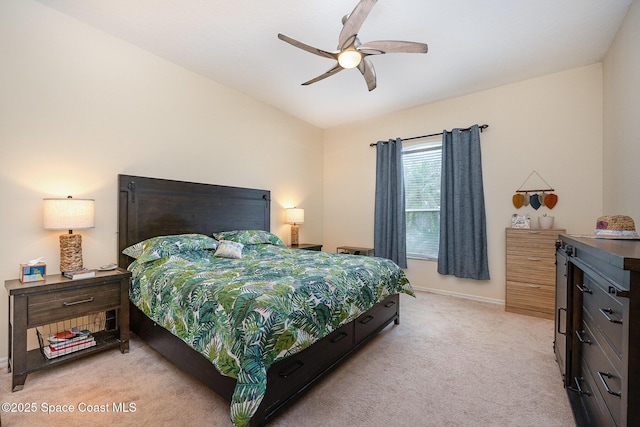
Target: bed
x,y
225,300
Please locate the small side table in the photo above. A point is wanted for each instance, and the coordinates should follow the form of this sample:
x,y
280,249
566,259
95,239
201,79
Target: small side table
x,y
306,246
58,299
355,250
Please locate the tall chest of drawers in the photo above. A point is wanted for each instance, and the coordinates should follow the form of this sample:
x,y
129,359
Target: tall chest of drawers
x,y
602,330
531,272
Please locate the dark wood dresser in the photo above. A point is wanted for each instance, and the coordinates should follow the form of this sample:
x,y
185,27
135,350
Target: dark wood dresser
x,y
598,328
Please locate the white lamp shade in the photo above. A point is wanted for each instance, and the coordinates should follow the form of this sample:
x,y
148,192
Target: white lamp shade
x,y
68,214
294,216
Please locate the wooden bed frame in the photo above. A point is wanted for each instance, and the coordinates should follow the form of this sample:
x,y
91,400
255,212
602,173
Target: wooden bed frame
x,y
149,207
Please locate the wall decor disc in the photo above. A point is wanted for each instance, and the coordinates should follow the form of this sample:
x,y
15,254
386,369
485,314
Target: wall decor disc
x,y
550,200
518,200
534,201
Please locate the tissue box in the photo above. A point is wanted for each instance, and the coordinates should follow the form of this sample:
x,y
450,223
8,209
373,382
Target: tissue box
x,y
33,273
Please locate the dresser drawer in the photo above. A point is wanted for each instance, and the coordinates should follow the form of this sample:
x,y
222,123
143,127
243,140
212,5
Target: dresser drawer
x,y
604,371
597,413
606,310
531,269
56,305
534,297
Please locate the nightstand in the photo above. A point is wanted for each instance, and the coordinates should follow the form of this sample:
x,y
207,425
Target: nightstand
x,y
354,250
57,299
306,246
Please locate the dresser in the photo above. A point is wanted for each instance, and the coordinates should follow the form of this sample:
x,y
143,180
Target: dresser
x,y
598,317
531,271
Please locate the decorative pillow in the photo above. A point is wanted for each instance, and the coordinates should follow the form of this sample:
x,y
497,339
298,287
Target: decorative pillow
x,y
229,249
161,246
249,237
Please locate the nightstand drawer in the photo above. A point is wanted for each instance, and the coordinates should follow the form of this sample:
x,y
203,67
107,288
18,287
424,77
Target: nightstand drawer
x,y
58,305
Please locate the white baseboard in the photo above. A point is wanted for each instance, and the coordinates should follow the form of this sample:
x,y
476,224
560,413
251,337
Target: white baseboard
x,y
4,362
460,295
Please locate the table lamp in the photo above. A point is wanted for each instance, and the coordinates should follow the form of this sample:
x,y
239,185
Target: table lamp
x,y
69,214
294,216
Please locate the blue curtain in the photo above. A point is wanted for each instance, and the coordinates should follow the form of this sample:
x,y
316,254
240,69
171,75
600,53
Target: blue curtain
x,y
390,229
463,234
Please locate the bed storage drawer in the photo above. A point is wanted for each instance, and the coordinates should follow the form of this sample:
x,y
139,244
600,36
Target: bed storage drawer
x,y
379,315
288,374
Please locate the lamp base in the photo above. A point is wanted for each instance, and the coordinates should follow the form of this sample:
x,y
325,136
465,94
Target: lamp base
x,y
294,234
70,252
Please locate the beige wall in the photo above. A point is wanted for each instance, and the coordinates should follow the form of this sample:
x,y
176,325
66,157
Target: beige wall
x,y
552,125
78,107
622,119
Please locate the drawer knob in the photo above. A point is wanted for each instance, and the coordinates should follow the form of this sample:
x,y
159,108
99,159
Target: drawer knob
x,y
581,338
339,337
68,304
606,312
606,386
578,389
292,369
584,289
366,320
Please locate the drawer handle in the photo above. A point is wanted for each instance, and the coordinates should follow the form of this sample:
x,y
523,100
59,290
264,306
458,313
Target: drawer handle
x,y
577,388
390,304
69,304
558,325
581,339
584,289
292,369
339,337
606,313
366,320
534,258
606,386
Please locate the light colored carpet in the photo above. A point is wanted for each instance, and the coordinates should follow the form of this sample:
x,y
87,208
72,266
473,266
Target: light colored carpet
x,y
450,362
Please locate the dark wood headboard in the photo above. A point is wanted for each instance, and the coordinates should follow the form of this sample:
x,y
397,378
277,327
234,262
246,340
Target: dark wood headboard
x,y
149,207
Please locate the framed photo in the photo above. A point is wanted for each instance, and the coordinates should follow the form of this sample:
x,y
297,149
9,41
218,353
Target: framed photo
x,y
520,221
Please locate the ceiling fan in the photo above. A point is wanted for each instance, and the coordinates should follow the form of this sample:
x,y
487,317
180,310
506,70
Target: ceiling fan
x,y
351,53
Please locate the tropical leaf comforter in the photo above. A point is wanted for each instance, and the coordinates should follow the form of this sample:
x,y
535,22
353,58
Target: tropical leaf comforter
x,y
246,313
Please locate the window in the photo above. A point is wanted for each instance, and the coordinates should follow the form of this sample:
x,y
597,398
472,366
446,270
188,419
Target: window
x,y
422,165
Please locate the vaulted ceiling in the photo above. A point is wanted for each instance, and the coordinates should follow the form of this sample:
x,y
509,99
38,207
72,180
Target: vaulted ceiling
x,y
473,45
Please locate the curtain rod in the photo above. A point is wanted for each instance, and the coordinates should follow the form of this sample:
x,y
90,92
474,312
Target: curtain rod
x,y
482,127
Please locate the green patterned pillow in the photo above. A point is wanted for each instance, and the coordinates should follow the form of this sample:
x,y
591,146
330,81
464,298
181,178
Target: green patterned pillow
x,y
249,237
161,246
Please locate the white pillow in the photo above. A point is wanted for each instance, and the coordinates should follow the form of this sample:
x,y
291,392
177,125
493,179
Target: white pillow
x,y
229,249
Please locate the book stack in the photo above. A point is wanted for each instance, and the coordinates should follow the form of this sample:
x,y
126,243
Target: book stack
x,y
79,274
68,341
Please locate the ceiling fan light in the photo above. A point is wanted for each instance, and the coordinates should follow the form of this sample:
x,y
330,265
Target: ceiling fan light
x,y
349,58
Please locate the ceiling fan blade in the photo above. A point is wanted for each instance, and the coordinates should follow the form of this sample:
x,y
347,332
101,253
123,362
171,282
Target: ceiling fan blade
x,y
392,46
354,22
329,73
369,74
308,48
